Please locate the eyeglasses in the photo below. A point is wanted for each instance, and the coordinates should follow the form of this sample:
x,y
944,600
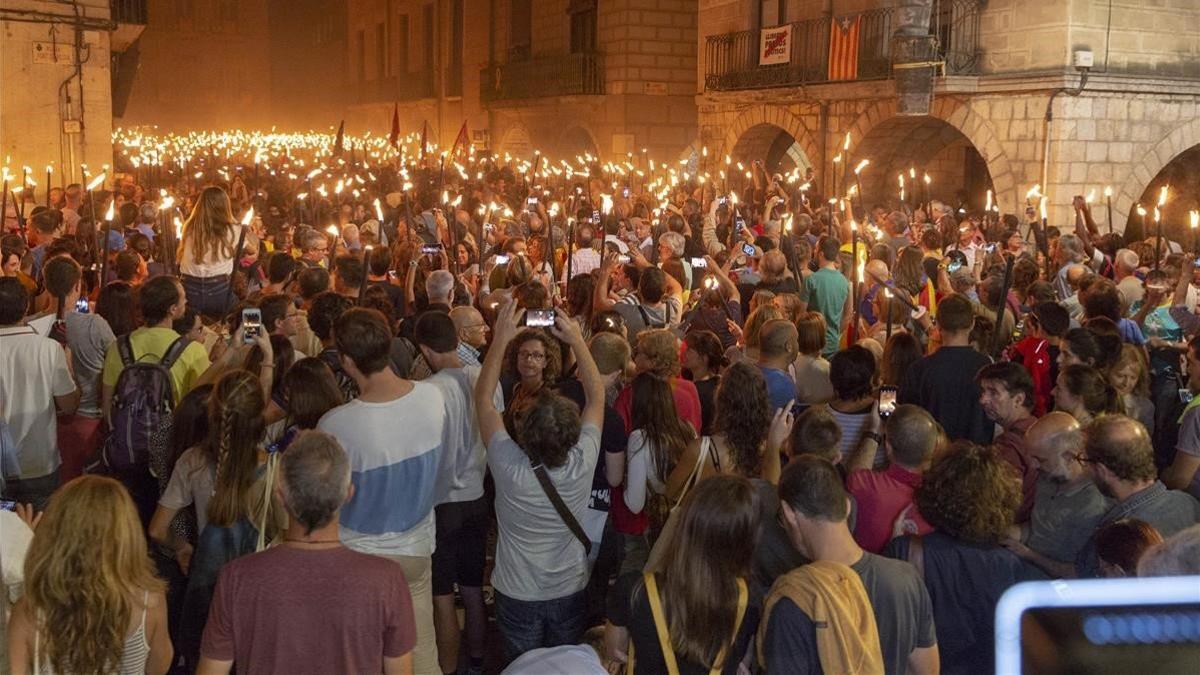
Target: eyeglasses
x,y
531,356
1084,459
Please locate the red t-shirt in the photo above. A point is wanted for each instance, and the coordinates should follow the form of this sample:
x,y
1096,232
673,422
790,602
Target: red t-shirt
x,y
881,496
687,406
289,610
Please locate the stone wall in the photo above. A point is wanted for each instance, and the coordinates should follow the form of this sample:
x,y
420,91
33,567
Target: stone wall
x,y
32,109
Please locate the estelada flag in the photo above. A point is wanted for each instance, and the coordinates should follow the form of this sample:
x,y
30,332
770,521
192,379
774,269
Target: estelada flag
x,y
339,143
843,48
461,138
394,136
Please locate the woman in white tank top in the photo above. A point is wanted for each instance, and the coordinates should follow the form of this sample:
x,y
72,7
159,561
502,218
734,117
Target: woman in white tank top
x,y
92,603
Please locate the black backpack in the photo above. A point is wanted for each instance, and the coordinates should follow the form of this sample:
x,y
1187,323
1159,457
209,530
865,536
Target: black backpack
x,y
143,408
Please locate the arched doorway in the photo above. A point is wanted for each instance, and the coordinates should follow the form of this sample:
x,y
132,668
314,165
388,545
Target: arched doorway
x,y
775,146
517,143
576,141
1180,176
958,173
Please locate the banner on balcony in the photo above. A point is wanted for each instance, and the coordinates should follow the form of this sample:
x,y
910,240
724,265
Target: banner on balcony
x,y
843,48
775,45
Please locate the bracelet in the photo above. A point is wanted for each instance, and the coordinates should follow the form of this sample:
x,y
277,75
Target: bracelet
x,y
874,437
267,365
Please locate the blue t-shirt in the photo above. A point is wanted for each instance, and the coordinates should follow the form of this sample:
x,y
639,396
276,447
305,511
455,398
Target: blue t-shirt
x,y
781,390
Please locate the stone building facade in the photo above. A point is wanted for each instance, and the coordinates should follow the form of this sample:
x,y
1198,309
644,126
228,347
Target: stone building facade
x,y
1010,108
57,95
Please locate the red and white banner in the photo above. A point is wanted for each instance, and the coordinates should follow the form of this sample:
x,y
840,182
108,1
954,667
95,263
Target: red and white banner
x,y
843,48
775,45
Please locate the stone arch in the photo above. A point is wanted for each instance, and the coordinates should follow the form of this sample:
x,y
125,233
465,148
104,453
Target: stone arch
x,y
577,140
516,141
957,114
776,116
1173,144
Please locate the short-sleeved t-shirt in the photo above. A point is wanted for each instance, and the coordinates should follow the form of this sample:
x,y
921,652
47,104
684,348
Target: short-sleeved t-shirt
x,y
903,615
149,344
1189,444
826,291
881,497
944,384
88,336
463,461
288,610
781,389
33,370
192,482
537,556
1062,520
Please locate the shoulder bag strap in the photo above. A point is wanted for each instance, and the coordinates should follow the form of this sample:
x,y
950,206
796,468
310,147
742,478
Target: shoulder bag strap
x,y
743,600
563,512
125,350
705,442
916,554
660,624
173,352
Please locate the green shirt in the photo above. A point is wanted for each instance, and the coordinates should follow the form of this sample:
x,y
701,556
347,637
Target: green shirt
x,y
825,291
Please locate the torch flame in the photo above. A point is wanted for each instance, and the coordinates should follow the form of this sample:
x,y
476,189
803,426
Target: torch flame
x,y
112,210
861,165
96,182
1162,195
249,217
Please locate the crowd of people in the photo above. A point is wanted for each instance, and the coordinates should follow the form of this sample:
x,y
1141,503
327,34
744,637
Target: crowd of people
x,y
682,431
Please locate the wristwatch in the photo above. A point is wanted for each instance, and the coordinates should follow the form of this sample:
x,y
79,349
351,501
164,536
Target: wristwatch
x,y
878,438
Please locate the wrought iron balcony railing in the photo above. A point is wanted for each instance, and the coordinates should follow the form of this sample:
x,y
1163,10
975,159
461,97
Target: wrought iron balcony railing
x,y
128,11
558,75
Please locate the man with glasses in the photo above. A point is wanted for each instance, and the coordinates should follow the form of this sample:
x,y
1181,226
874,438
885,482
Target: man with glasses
x,y
1120,459
472,334
314,249
1067,505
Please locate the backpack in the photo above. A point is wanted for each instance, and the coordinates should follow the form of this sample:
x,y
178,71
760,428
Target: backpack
x,y
143,407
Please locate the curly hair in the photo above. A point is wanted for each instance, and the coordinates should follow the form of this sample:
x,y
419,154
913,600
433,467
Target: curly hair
x,y
553,354
743,415
969,493
661,347
754,324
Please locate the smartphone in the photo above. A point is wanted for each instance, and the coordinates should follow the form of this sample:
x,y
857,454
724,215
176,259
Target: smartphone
x,y
625,193
699,263
748,249
596,216
392,274
532,203
623,259
7,505
990,248
252,324
578,190
887,400
431,249
953,266
82,306
539,318
501,260
722,200
740,222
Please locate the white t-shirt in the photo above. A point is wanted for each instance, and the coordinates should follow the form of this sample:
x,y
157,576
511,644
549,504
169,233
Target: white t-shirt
x,y
15,537
394,450
212,267
463,458
537,556
641,470
89,336
33,370
191,483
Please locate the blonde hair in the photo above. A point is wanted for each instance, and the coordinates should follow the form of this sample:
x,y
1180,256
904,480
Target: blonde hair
x,y
1132,356
206,231
85,571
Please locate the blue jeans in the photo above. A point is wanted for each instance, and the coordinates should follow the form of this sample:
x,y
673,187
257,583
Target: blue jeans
x,y
210,296
528,625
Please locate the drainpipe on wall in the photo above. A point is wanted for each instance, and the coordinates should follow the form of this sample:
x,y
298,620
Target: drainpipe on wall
x,y
1048,125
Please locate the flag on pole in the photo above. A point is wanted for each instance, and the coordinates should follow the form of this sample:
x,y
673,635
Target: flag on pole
x,y
339,143
424,136
461,138
394,136
843,48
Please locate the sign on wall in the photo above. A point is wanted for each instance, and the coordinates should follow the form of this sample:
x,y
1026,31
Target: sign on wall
x,y
775,45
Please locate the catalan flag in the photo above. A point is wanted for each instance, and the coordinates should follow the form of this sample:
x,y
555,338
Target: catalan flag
x,y
843,48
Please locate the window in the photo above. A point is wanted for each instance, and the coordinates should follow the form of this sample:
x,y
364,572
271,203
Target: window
x,y
381,66
454,76
772,13
402,44
583,26
427,36
362,55
520,37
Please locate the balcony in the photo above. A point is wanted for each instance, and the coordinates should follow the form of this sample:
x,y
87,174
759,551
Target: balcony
x,y
732,63
405,87
557,75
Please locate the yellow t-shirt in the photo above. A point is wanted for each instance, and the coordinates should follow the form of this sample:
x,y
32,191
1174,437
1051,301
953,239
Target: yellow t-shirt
x,y
152,343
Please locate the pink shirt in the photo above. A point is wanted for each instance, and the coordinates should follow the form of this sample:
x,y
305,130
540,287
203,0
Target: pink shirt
x,y
881,497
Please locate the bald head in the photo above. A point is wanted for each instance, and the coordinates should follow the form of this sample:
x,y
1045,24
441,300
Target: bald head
x,y
1075,274
1053,442
470,325
778,340
877,269
912,436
